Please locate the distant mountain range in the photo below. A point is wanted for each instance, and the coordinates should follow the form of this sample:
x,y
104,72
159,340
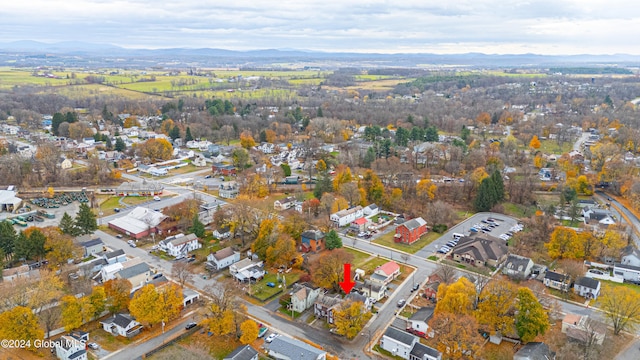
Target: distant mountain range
x,y
209,56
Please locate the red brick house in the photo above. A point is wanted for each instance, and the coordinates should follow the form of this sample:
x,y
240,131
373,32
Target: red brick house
x,y
410,231
312,240
223,169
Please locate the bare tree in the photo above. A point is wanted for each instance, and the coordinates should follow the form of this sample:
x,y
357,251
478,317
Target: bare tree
x,y
181,271
447,273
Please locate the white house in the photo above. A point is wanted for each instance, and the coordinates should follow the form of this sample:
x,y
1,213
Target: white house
x,y
627,272
587,287
285,348
347,216
222,258
631,256
247,270
518,267
121,325
386,273
222,232
371,210
397,342
284,204
303,296
69,348
180,245
419,321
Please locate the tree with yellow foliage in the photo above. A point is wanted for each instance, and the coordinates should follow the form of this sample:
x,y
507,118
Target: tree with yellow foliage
x,y
71,313
145,305
246,140
117,292
621,306
426,190
342,176
220,321
249,330
20,323
170,301
350,318
612,243
456,334
339,203
457,298
267,236
321,166
564,243
131,122
155,149
328,270
484,118
60,247
531,318
538,162
283,252
270,136
496,307
535,142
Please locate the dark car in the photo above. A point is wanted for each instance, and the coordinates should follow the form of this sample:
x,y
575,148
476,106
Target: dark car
x,y
415,287
190,325
401,302
116,209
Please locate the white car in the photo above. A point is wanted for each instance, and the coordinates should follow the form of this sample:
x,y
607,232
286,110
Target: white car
x,y
156,198
94,346
271,337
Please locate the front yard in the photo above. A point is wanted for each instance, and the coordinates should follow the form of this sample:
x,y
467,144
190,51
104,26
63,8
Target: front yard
x,y
387,240
262,292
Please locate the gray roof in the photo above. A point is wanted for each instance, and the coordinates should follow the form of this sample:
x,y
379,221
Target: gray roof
x,y
245,352
554,276
415,223
313,234
515,261
91,243
419,351
423,314
294,349
133,270
400,336
534,351
114,253
121,320
223,254
588,282
628,267
77,354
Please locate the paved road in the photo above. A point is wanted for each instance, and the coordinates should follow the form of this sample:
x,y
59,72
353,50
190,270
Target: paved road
x,y
635,222
577,146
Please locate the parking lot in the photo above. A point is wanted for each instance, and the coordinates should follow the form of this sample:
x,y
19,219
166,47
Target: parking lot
x,y
502,224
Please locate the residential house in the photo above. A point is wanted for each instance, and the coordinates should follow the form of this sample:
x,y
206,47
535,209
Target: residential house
x,y
630,256
598,217
121,325
223,169
397,342
115,256
303,296
359,225
312,240
534,351
285,348
20,272
517,267
423,352
480,251
386,273
222,258
587,287
557,281
356,297
431,287
138,275
247,270
243,352
65,164
92,247
371,210
207,211
629,273
419,322
228,192
222,232
324,306
70,348
583,329
180,245
410,231
347,216
372,289
284,204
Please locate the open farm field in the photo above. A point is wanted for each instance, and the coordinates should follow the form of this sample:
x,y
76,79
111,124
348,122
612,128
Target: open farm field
x,y
90,90
12,77
387,84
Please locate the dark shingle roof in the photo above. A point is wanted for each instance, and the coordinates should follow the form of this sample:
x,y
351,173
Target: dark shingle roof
x,y
415,223
399,336
588,282
423,314
534,351
313,234
554,276
419,351
224,253
121,320
114,253
245,352
133,270
514,262
91,243
294,349
77,354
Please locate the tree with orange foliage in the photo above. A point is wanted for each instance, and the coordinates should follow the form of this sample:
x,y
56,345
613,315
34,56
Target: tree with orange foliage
x,y
155,149
328,270
457,298
535,142
484,118
270,136
457,335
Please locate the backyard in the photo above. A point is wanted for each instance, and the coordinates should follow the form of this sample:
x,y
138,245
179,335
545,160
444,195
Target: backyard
x,y
387,240
262,292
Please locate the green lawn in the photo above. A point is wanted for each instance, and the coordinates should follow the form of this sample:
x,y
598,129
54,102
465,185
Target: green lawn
x,y
517,210
551,147
387,240
263,292
372,264
359,257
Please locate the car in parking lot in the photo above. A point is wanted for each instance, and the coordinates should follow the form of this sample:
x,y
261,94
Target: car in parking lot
x,y
451,244
401,302
271,337
190,325
119,236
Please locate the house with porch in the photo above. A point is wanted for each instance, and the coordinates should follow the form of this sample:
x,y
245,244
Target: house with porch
x,y
347,216
121,325
70,348
180,245
557,281
372,289
284,204
324,306
92,247
247,270
587,287
359,225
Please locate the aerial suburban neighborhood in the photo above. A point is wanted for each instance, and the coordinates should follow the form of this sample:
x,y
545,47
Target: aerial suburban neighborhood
x,y
337,212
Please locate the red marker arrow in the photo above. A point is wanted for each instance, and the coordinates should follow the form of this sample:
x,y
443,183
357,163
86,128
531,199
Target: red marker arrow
x,y
347,284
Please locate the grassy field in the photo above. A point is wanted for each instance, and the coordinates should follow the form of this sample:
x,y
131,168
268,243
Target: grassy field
x,y
90,90
552,147
359,257
262,291
372,264
387,240
517,210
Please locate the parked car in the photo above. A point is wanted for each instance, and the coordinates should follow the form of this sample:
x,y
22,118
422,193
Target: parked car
x,y
270,284
190,325
271,337
119,236
415,287
208,176
156,198
93,346
131,243
401,302
116,209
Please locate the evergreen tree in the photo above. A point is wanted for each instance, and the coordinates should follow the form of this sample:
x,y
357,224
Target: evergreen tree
x,y
402,137
174,133
319,112
465,133
120,145
58,119
67,225
108,143
485,198
263,136
369,157
498,185
431,134
8,237
333,240
197,227
324,184
187,135
85,220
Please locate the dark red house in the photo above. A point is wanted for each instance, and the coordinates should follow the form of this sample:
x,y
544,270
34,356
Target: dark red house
x,y
223,169
410,231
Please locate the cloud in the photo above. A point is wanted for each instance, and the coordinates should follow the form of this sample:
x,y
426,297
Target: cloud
x,y
542,26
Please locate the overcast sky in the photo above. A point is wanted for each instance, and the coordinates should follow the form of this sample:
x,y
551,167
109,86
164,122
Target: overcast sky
x,y
399,26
